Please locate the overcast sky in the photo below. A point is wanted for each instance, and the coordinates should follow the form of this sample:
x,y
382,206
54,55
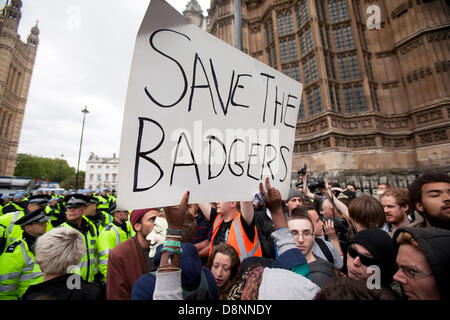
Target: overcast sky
x,y
84,58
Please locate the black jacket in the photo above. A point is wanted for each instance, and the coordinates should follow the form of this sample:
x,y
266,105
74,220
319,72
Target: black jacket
x,y
58,289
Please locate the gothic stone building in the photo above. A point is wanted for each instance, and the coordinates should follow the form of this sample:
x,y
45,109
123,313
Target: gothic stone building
x,y
16,65
376,101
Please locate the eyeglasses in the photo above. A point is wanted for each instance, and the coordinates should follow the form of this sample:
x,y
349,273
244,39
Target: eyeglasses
x,y
305,234
412,273
365,260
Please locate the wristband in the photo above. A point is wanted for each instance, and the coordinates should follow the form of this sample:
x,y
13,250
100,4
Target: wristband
x,y
171,250
168,268
171,237
174,232
169,243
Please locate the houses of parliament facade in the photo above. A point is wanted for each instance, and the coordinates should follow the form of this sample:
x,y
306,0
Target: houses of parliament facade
x,y
16,65
376,101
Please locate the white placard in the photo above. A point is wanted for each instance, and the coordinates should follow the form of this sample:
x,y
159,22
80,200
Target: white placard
x,y
202,116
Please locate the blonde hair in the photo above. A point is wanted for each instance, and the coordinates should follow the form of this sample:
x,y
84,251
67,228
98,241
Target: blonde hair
x,y
406,238
58,249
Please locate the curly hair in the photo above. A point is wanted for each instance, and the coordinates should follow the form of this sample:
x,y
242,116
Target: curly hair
x,y
415,189
227,250
400,195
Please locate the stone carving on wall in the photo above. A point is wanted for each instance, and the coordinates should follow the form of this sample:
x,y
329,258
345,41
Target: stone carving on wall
x,y
355,143
390,84
429,116
386,123
411,46
433,137
384,54
438,36
401,9
422,72
442,66
315,126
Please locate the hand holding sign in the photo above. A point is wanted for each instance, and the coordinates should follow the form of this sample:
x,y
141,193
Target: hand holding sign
x,y
175,215
272,200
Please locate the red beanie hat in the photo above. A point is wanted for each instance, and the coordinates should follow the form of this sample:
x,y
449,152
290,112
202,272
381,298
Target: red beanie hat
x,y
136,215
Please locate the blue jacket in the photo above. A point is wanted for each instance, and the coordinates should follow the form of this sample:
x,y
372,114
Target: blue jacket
x,y
191,268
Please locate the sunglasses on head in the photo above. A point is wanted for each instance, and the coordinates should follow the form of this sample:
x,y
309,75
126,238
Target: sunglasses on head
x,y
365,260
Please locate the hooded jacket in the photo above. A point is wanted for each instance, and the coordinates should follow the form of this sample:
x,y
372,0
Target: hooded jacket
x,y
435,244
191,269
380,245
320,271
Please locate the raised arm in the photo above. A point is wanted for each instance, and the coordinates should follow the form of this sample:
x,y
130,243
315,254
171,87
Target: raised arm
x,y
306,191
205,207
247,211
272,199
168,275
339,205
283,237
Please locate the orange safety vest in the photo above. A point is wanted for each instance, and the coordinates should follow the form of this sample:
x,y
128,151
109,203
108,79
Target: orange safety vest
x,y
237,238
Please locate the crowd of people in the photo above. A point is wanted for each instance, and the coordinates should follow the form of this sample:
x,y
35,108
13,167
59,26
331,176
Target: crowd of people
x,y
330,244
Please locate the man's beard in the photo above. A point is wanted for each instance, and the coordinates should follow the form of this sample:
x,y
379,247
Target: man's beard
x,y
440,221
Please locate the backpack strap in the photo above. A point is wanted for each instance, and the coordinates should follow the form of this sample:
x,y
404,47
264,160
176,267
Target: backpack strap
x,y
326,251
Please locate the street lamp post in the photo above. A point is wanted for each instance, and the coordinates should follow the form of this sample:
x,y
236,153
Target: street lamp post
x,y
85,111
238,25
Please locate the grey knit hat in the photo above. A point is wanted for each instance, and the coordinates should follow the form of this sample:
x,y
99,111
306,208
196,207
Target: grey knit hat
x,y
293,193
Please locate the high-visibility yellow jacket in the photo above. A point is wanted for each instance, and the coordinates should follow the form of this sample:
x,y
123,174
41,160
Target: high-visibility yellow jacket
x,y
12,207
88,265
18,271
108,239
14,232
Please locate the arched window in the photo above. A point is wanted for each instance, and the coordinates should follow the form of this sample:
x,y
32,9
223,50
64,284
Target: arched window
x,y
18,80
11,78
3,123
8,126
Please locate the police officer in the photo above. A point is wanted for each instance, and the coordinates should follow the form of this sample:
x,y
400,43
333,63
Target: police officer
x,y
76,205
110,198
13,231
116,232
18,269
98,216
55,211
103,201
10,205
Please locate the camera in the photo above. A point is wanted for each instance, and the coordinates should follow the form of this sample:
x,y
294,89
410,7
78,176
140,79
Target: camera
x,y
313,184
302,171
318,183
340,224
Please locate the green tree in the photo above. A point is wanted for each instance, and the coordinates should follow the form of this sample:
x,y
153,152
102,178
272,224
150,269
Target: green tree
x,y
54,170
70,182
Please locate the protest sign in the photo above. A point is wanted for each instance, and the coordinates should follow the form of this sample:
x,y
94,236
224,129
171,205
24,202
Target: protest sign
x,y
201,116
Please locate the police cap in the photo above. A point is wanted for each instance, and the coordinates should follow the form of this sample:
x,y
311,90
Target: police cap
x,y
35,216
